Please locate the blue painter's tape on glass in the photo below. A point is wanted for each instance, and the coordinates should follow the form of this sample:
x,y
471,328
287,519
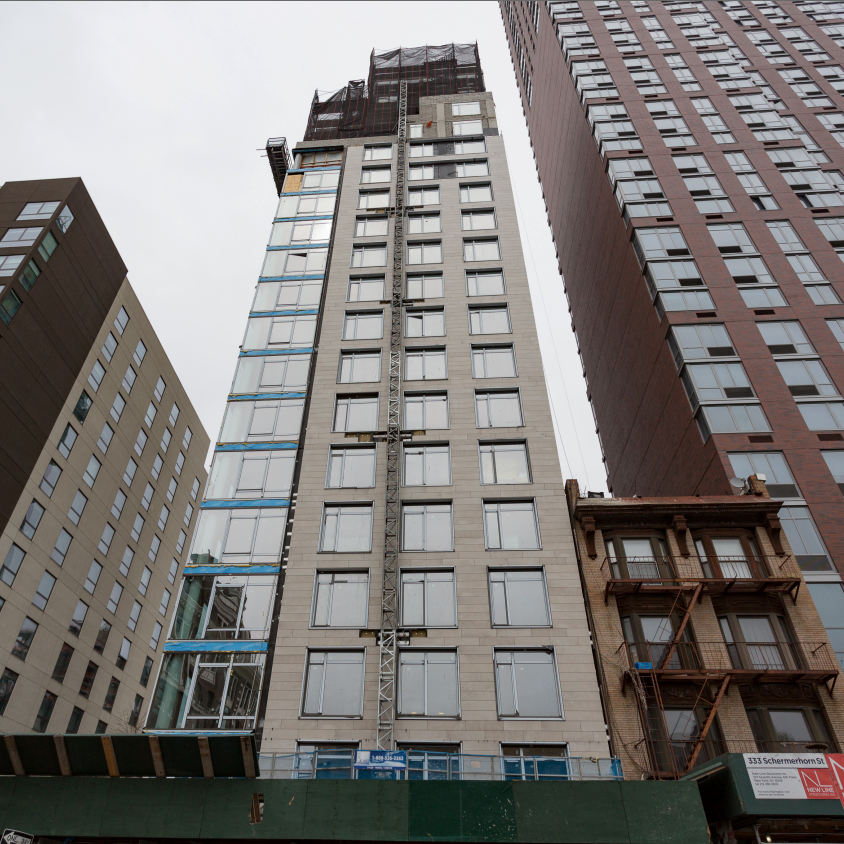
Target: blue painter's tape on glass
x,y
215,647
290,277
243,503
228,568
303,311
263,396
256,446
299,350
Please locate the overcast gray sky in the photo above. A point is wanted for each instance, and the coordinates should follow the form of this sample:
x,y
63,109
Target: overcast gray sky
x,y
163,108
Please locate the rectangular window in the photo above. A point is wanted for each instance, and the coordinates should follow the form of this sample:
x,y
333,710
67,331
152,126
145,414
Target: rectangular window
x,y
466,109
476,193
504,463
526,684
425,411
428,684
369,255
45,712
91,471
117,407
126,560
137,527
83,405
481,250
428,598
77,507
467,127
806,378
166,436
149,416
160,387
485,282
822,416
377,152
31,519
770,464
356,413
333,684
359,367
75,721
96,376
129,472
105,540
427,322
425,252
423,196
371,200
92,577
60,549
121,321
62,662
7,686
24,639
66,442
477,220
156,635
111,694
88,679
732,418
38,210
366,289
165,602
424,223
351,467
427,527
78,618
510,525
346,528
341,599
498,409
129,379
426,465
518,598
424,364
425,286
105,438
44,590
363,325
134,615
140,442
114,598
489,320
14,558
10,263
51,477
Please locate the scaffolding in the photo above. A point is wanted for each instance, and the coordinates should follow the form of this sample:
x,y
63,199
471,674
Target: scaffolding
x,y
389,596
371,107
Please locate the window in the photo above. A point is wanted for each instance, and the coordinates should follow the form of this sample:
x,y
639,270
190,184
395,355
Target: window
x,y
428,598
518,598
102,636
67,440
369,255
373,199
129,472
62,662
194,489
174,570
105,540
134,615
140,442
7,686
149,416
164,603
92,577
129,379
146,671
105,438
366,289
135,714
428,322
10,263
427,527
798,730
498,409
489,320
466,109
117,407
475,220
44,590
171,489
25,636
51,477
829,601
188,514
526,684
732,418
91,471
485,282
45,712
75,721
351,467
156,635
715,382
481,250
333,684
804,538
510,525
504,463
126,560
121,321
32,518
425,286
476,193
137,527
427,684
363,325
356,413
180,542
341,599
174,413
467,127
83,405
425,252
61,547
37,211
425,411
771,465
20,237
160,387
111,694
423,196
426,465
88,679
822,416
114,598
78,618
377,152
370,175
835,464
346,528
424,223
154,546
96,376
14,558
806,378
359,367
166,436
9,306
785,338
100,728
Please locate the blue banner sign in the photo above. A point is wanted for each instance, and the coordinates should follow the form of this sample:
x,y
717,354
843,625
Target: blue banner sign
x,y
381,760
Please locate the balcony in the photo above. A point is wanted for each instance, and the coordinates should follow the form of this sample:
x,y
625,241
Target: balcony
x,y
338,764
768,662
716,576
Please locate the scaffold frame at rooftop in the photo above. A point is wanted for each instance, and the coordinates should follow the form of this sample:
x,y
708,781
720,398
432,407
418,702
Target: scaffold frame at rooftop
x,y
370,107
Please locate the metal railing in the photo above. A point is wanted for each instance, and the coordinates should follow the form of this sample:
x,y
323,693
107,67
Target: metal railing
x,y
339,765
667,569
783,657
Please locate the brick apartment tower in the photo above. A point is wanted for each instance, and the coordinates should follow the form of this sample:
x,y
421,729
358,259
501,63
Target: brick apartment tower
x,y
101,471
690,156
390,370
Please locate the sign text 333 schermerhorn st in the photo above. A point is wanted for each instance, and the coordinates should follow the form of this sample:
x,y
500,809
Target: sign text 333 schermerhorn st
x,y
796,776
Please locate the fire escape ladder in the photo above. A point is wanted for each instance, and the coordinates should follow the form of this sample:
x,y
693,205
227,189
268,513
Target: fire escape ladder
x,y
389,593
710,718
684,621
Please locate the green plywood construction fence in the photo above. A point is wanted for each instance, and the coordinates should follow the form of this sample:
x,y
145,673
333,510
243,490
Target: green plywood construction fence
x,y
582,812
